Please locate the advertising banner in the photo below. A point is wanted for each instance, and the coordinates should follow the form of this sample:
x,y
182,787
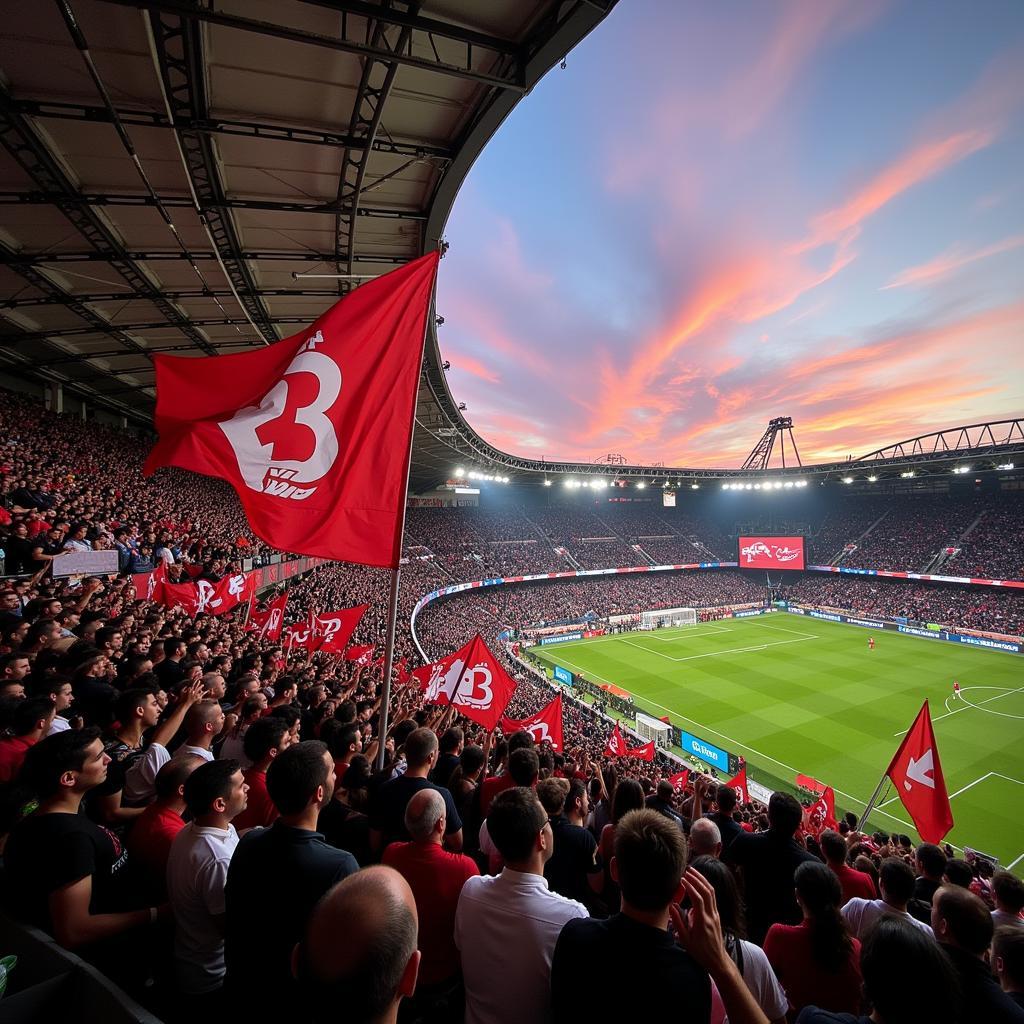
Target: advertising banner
x,y
714,756
563,639
563,675
771,553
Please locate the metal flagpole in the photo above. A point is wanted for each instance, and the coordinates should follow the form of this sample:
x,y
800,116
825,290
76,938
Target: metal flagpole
x,y
871,802
396,572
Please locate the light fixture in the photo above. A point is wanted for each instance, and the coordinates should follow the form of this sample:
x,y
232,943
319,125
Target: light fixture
x,y
1005,466
777,485
747,487
872,479
460,471
694,487
757,487
907,475
847,479
788,483
547,483
641,485
801,483
961,469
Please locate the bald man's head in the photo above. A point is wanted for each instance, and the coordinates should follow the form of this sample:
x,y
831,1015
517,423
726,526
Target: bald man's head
x,y
423,814
359,957
705,839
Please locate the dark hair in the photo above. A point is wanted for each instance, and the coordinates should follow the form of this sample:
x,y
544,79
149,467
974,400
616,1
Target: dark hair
x,y
896,877
932,859
514,821
262,736
171,645
822,896
551,793
50,758
450,739
346,713
784,813
175,773
577,790
727,894
650,855
907,974
208,782
471,760
1008,943
419,747
524,766
628,797
959,872
128,701
287,713
27,712
725,797
339,737
833,846
969,920
295,775
521,739
1009,890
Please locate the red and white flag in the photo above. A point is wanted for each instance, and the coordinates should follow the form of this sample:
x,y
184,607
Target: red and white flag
x,y
740,785
209,598
545,725
314,431
616,743
269,623
916,773
471,679
362,654
333,630
821,814
679,780
642,753
148,586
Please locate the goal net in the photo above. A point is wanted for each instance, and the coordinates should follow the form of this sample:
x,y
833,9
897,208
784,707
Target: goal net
x,y
666,617
649,728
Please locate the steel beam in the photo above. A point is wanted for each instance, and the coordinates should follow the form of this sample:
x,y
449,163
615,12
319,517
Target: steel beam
x,y
15,258
8,338
175,296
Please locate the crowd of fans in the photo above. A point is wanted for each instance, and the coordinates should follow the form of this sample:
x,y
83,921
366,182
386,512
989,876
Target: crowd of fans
x,y
198,809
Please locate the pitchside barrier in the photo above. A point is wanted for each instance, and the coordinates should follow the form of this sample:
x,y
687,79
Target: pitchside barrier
x,y
928,630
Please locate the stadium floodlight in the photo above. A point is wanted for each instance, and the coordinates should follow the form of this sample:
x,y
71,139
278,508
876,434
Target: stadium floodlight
x,y
757,487
547,483
872,479
847,479
1005,466
694,487
961,469
568,483
460,472
907,475
788,484
747,487
777,485
641,485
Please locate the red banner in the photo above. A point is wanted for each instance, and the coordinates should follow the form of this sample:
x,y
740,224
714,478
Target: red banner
x,y
916,773
679,780
269,624
821,814
740,785
545,725
616,746
314,431
642,753
209,598
771,553
362,654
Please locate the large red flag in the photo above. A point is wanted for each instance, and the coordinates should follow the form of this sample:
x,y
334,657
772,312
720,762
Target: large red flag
x,y
545,725
313,432
212,598
679,780
642,753
268,624
333,630
740,785
616,743
917,775
821,814
472,679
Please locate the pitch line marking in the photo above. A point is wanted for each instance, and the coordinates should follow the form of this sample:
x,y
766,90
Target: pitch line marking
x,y
795,632
949,714
632,632
970,785
754,750
1010,867
717,654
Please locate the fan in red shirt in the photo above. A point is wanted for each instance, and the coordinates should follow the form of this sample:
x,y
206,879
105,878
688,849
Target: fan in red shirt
x,y
263,741
29,719
853,883
436,878
496,784
150,838
817,961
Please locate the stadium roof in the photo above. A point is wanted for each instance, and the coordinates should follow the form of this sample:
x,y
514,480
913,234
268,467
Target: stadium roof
x,y
174,174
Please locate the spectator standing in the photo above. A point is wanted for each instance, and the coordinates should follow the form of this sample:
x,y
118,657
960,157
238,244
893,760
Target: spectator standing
x,y
661,801
29,719
450,747
767,862
817,961
574,869
930,863
1008,961
264,741
705,839
291,866
436,877
197,870
963,926
506,926
896,883
1008,895
853,883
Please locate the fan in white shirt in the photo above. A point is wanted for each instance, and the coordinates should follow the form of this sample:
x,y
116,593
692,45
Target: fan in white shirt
x,y
896,884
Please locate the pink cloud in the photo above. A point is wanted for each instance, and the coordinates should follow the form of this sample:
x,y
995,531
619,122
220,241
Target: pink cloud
x,y
951,260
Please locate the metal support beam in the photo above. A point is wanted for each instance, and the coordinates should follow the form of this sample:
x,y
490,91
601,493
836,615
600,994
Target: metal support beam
x,y
514,80
22,259
8,338
175,296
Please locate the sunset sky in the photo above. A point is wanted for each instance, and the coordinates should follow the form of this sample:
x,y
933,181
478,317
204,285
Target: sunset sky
x,y
721,213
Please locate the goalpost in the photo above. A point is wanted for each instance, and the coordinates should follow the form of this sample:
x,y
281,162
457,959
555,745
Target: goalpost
x,y
666,617
651,728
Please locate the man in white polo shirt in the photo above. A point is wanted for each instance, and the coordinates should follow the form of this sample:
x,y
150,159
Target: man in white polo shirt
x,y
196,872
506,926
896,884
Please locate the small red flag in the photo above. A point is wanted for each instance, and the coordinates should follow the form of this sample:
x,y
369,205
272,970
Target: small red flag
x,y
545,725
361,655
821,814
472,679
333,630
404,675
269,623
616,743
212,599
679,780
916,773
642,753
740,785
314,431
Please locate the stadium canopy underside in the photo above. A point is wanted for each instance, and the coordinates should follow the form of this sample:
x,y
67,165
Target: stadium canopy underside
x,y
173,173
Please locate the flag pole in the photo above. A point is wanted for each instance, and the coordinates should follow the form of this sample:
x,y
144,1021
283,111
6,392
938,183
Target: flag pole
x,y
871,803
396,572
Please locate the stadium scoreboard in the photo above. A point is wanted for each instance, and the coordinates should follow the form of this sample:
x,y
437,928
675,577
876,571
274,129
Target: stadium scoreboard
x,y
771,553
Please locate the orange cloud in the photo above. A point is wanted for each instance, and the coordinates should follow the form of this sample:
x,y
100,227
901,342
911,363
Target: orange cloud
x,y
953,259
462,362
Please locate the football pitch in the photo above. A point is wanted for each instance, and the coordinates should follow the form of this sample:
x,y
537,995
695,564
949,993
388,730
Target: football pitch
x,y
797,695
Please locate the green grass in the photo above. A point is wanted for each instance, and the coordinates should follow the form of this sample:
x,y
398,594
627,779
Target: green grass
x,y
793,694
